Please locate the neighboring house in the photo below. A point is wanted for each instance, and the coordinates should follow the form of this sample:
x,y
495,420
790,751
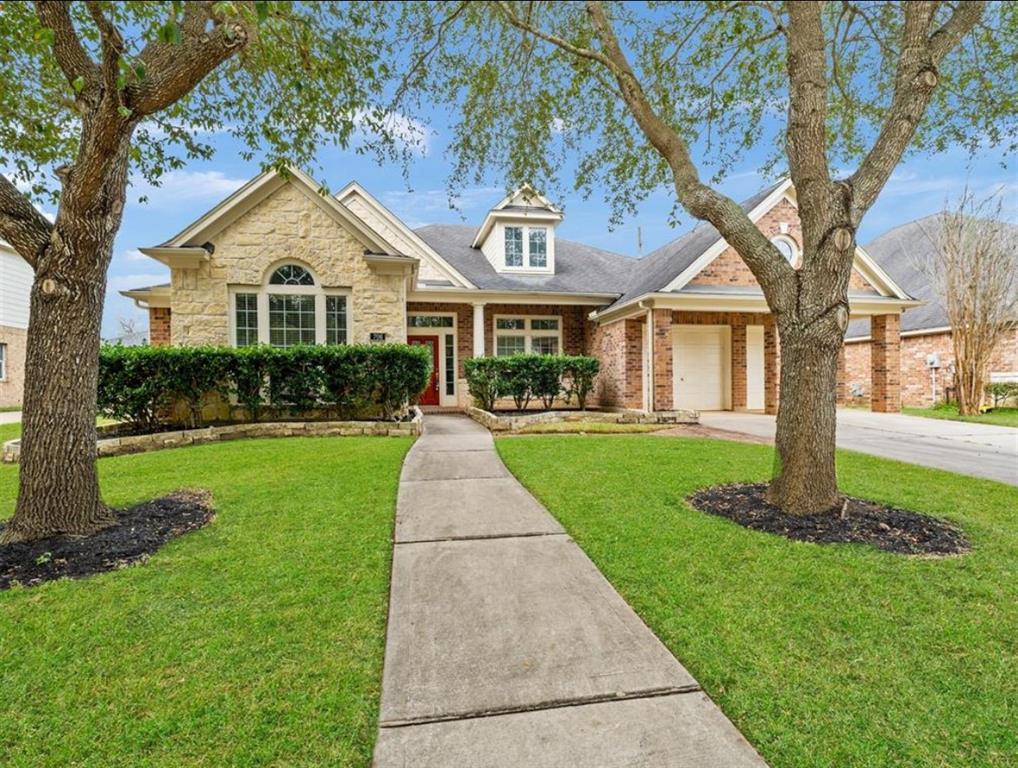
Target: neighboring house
x,y
15,288
686,327
927,355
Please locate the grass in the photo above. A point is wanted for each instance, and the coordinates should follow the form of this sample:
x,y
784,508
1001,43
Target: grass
x,y
822,655
257,641
9,408
1003,417
590,428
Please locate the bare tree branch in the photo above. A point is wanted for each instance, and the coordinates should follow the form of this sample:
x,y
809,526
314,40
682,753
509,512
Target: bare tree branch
x,y
112,46
21,224
916,77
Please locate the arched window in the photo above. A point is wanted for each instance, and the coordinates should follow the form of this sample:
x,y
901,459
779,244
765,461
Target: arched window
x,y
290,308
786,246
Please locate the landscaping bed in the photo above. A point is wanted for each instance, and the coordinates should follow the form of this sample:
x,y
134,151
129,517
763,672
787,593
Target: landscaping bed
x,y
516,421
139,532
856,521
118,445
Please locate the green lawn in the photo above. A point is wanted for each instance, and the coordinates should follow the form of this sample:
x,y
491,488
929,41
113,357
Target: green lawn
x,y
257,641
9,408
1004,417
589,427
822,655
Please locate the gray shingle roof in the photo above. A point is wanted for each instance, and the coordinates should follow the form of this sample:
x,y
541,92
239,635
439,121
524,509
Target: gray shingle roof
x,y
897,252
658,268
579,268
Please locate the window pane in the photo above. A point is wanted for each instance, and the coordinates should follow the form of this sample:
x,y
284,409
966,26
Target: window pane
x,y
510,345
538,247
514,246
429,321
785,247
450,366
549,324
291,320
291,274
335,319
246,319
3,361
544,345
511,324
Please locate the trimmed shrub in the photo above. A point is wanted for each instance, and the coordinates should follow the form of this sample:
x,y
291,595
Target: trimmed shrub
x,y
580,372
483,380
140,385
525,377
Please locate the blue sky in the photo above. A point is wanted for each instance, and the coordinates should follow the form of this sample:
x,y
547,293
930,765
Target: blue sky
x,y
919,187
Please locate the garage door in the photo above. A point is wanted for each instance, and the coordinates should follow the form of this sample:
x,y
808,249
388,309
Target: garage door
x,y
699,366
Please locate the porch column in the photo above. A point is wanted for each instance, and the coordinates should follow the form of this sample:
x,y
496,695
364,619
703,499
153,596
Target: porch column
x,y
739,384
772,368
885,363
663,380
479,329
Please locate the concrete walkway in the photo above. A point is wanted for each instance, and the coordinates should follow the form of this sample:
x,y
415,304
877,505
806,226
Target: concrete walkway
x,y
10,417
507,647
980,450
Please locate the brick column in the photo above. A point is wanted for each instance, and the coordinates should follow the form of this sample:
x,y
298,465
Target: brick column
x,y
738,365
663,381
772,368
632,390
159,326
885,363
842,396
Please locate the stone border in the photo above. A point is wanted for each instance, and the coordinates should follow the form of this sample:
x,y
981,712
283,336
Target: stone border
x,y
157,441
515,422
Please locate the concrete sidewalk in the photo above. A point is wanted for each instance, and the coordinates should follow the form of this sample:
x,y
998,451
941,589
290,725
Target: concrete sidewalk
x,y
507,647
979,450
10,417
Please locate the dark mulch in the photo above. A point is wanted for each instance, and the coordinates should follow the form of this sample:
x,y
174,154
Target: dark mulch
x,y
138,532
862,522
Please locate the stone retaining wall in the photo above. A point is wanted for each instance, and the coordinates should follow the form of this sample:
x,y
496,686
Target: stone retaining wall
x,y
511,423
118,446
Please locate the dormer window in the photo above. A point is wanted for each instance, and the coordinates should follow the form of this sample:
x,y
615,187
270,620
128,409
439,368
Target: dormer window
x,y
538,247
514,246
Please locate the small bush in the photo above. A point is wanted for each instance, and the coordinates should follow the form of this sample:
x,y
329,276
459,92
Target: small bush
x,y
525,377
1002,392
140,385
483,380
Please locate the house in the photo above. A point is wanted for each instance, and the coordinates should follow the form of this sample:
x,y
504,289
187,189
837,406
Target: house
x,y
687,327
16,278
927,354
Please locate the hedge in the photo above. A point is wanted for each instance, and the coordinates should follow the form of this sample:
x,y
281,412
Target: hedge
x,y
147,387
528,377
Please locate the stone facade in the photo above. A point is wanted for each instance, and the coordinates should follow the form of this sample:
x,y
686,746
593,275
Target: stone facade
x,y
12,386
289,224
917,382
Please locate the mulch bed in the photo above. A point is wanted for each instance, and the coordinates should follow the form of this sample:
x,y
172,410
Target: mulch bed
x,y
138,532
862,522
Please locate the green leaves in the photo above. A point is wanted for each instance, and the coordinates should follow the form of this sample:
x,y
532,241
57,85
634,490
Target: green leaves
x,y
78,84
169,33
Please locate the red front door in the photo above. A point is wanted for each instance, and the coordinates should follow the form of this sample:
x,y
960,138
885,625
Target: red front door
x,y
430,395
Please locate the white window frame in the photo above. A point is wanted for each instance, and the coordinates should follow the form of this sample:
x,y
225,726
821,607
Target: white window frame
x,y
528,333
265,289
794,261
527,266
3,361
439,332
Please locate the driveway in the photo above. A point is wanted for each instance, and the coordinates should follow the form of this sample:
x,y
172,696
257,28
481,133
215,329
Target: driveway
x,y
980,450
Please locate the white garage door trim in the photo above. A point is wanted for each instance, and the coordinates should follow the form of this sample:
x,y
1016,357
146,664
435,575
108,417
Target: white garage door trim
x,y
755,367
701,367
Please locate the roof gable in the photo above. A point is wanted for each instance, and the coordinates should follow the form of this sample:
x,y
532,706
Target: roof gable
x,y
524,202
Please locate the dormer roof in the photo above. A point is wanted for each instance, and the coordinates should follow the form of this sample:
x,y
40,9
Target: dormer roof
x,y
523,203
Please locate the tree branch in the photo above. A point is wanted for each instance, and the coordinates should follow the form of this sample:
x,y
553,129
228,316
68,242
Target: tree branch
x,y
916,77
112,46
71,56
21,224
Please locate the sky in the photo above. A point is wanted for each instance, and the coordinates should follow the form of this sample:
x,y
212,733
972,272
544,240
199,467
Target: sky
x,y
919,187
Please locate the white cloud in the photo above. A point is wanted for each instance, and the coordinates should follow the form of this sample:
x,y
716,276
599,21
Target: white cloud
x,y
134,254
407,131
178,187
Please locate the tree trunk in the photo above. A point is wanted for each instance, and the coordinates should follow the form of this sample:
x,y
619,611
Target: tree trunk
x,y
805,477
59,488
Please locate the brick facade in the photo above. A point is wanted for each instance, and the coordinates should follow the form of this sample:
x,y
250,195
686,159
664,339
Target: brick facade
x,y
574,321
917,382
12,386
159,333
464,327
885,364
